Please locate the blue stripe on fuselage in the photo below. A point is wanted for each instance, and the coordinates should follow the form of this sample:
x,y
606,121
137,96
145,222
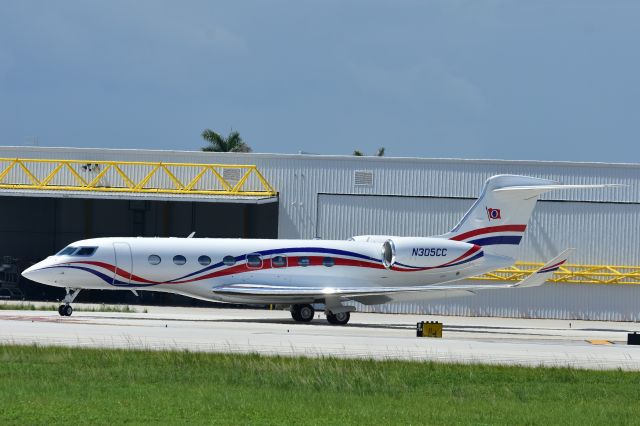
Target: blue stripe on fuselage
x,y
282,251
503,239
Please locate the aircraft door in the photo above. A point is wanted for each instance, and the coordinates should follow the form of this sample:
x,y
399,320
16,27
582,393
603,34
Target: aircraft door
x,y
124,263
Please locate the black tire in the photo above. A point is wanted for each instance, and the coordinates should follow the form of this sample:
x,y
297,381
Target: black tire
x,y
68,310
60,310
302,313
295,314
307,313
338,319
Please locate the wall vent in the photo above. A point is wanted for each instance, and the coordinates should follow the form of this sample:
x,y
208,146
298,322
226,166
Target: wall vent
x,y
363,178
231,175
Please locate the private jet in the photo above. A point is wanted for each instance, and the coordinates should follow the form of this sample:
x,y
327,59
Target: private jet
x,y
308,274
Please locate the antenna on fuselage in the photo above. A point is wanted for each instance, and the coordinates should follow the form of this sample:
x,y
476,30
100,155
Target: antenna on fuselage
x,y
192,234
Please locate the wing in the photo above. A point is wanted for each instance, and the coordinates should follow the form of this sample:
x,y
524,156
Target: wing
x,y
256,293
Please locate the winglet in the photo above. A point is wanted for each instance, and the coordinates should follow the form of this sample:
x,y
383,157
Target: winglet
x,y
543,274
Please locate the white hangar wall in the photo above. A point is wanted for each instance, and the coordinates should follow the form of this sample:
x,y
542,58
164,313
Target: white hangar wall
x,y
341,196
300,178
602,232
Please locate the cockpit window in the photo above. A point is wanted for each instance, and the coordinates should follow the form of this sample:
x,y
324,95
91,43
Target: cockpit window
x,y
85,251
67,251
77,251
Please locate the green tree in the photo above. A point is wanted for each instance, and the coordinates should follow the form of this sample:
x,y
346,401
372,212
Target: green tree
x,y
217,143
359,153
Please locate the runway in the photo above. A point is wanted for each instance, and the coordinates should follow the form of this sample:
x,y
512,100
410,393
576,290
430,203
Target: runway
x,y
378,336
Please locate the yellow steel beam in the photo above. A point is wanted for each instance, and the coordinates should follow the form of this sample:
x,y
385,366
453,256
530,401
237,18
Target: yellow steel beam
x,y
124,176
33,179
242,180
148,177
52,174
99,176
222,180
6,170
570,273
196,179
75,174
31,168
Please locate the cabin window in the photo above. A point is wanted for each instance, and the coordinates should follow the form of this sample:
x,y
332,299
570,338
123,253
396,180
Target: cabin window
x,y
279,261
304,261
154,259
328,262
85,251
179,259
229,260
204,260
254,261
67,251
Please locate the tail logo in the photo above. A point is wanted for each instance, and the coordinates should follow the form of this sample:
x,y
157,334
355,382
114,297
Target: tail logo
x,y
493,214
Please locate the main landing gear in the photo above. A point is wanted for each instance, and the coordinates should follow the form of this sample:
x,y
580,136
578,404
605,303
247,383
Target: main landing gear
x,y
340,318
302,313
305,313
65,309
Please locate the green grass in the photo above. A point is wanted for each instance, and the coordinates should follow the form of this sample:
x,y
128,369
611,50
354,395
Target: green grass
x,y
76,308
81,386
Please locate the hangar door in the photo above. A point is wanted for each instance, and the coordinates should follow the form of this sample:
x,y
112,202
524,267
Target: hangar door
x,y
602,233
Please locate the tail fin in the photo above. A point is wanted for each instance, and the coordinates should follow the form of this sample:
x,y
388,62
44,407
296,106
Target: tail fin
x,y
541,276
498,219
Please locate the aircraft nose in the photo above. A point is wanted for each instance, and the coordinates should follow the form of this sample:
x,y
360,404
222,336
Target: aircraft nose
x,y
36,273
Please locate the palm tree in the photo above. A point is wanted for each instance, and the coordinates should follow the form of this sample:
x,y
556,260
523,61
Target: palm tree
x,y
359,153
232,143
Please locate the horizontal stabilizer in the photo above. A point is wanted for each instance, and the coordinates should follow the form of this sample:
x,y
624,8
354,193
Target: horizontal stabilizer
x,y
540,276
533,190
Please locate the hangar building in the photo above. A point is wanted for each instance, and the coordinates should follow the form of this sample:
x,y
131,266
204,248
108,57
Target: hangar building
x,y
329,197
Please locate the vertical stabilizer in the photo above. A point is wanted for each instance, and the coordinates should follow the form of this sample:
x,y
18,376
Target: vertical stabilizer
x,y
498,219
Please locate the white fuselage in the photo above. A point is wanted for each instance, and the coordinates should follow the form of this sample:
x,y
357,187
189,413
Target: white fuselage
x,y
194,267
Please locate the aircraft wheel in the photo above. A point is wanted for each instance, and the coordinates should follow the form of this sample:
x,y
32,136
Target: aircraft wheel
x,y
60,310
295,314
68,310
302,313
338,319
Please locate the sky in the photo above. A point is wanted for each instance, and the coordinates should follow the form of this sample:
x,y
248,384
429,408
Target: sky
x,y
531,80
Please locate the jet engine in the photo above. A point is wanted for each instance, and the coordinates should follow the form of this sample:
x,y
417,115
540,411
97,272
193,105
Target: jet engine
x,y
417,252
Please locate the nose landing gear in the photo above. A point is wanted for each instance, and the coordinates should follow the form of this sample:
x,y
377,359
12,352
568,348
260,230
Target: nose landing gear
x,y
66,310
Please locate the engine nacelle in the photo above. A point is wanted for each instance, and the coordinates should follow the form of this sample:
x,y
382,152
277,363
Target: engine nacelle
x,y
417,252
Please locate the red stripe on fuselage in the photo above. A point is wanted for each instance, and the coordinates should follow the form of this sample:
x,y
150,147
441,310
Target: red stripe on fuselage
x,y
293,261
117,271
488,230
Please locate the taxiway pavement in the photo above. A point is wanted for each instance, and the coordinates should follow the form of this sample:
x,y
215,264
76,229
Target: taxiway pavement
x,y
506,341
